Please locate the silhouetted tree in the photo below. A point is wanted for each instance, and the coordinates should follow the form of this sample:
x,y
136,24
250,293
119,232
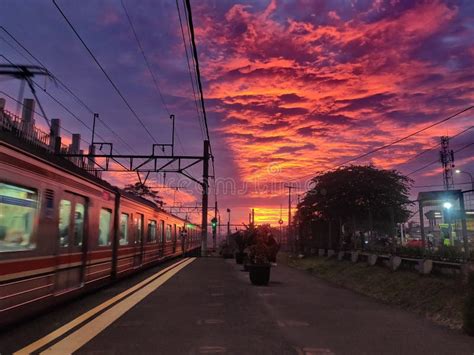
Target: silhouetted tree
x,y
360,197
141,190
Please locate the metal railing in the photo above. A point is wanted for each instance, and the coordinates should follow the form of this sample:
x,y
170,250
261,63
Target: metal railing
x,y
32,135
24,130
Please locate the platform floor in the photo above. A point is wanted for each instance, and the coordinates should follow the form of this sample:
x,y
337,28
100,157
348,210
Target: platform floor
x,y
209,307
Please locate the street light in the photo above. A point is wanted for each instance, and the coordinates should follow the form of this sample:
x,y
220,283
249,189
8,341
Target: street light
x,y
457,171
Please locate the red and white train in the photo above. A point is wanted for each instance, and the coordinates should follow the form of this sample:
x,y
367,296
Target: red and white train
x,y
63,231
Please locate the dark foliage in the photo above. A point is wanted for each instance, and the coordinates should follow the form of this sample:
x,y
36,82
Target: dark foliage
x,y
141,190
362,198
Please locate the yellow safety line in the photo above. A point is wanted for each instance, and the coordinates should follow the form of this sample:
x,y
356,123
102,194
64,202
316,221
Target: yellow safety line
x,y
87,332
85,316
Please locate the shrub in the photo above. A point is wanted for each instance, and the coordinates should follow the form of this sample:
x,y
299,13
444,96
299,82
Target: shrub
x,y
468,314
448,253
263,247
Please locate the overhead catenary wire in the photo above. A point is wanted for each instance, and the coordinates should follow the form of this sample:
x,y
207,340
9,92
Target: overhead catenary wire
x,y
190,71
62,84
198,77
147,63
134,113
198,72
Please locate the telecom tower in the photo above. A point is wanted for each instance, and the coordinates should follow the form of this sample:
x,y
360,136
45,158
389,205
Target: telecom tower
x,y
447,161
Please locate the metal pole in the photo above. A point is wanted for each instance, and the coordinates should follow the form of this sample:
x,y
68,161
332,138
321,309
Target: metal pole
x,y
96,115
464,227
214,244
289,217
205,186
228,225
422,225
172,136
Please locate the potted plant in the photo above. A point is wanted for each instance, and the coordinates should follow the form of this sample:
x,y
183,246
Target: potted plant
x,y
259,267
262,253
241,241
226,251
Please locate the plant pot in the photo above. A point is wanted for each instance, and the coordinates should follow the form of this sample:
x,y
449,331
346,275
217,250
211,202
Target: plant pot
x,y
259,274
239,257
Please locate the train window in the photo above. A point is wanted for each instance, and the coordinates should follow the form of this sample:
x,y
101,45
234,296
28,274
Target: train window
x,y
123,229
64,220
139,225
162,231
168,233
18,208
152,231
104,226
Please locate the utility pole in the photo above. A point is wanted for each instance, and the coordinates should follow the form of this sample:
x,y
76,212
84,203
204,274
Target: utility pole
x,y
447,161
253,216
289,187
205,197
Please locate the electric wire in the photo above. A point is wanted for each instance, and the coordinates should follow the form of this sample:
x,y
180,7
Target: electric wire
x,y
147,63
436,145
189,70
437,161
64,86
104,72
394,142
198,77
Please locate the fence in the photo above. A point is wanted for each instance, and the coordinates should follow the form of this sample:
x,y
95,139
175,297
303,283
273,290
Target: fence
x,y
27,132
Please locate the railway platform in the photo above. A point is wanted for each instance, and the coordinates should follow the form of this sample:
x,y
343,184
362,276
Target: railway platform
x,y
208,306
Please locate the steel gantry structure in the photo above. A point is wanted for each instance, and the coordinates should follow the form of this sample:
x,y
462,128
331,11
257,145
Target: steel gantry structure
x,y
153,163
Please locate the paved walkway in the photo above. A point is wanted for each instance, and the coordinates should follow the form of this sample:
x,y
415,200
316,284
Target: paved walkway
x,y
209,307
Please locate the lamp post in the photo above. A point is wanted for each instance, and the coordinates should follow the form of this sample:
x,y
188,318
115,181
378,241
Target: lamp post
x,y
457,171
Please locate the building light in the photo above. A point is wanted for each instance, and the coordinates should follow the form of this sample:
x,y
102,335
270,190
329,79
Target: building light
x,y
447,205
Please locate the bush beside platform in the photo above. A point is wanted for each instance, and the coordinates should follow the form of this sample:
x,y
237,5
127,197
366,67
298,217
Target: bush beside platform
x,y
439,298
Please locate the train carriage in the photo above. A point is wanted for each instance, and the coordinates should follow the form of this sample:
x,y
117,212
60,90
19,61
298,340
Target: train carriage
x,y
64,231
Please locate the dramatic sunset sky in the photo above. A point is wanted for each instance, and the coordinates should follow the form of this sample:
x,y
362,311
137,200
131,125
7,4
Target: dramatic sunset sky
x,y
291,87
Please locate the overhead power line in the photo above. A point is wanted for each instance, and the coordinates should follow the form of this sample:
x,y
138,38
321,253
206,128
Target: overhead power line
x,y
153,76
198,76
436,145
437,161
104,72
198,72
155,81
394,142
65,87
190,71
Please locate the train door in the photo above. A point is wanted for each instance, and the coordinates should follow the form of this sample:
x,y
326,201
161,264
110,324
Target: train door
x,y
162,238
175,237
70,259
138,250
